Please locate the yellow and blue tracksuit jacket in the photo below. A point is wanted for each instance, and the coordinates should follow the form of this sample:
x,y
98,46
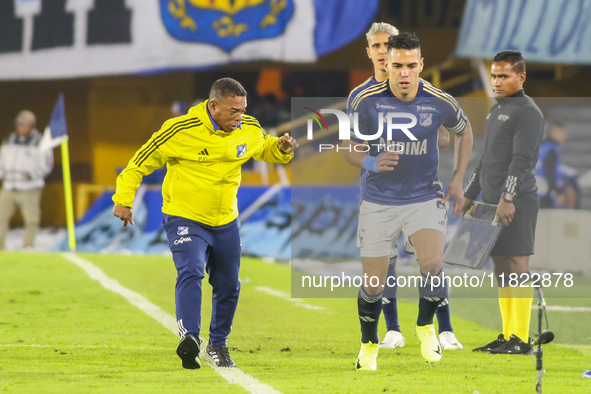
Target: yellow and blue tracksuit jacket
x,y
203,165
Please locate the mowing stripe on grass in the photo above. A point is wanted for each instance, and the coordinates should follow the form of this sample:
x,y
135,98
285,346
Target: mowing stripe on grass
x,y
280,294
565,308
232,375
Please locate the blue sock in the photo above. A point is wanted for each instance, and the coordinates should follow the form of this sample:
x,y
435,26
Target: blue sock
x,y
431,292
389,304
426,311
370,307
390,309
443,316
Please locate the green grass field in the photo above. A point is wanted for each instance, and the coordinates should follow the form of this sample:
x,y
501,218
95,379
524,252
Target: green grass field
x,y
62,332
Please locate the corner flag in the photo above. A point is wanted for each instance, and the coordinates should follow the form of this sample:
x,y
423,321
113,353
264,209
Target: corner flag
x,y
56,131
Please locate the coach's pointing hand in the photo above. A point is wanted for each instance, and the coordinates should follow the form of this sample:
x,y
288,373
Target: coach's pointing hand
x,y
287,143
124,214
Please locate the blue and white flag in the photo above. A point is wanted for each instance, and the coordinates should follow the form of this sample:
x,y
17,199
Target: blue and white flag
x,y
548,31
81,38
56,131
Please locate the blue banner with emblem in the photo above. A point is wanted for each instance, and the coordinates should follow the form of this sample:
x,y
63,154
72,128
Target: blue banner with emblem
x,y
102,37
318,222
550,31
226,24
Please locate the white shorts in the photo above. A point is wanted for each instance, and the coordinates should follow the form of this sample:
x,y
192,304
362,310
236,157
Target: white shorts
x,y
380,225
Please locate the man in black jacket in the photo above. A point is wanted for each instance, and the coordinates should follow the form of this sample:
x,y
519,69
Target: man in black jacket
x,y
506,176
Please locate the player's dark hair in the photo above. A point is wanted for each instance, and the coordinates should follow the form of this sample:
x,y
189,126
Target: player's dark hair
x,y
514,58
403,40
226,87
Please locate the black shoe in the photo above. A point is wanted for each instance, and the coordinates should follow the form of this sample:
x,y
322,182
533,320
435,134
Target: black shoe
x,y
188,351
493,345
218,356
513,346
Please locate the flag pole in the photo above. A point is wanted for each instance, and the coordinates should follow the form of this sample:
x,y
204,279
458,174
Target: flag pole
x,y
68,194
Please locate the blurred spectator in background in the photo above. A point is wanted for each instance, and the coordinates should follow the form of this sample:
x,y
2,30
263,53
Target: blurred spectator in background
x,y
557,183
267,111
23,167
179,108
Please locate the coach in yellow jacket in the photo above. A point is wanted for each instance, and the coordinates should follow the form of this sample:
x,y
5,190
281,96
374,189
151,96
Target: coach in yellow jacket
x,y
203,152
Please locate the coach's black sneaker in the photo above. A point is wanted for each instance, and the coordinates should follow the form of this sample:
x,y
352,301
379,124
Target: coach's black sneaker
x,y
188,351
513,346
500,341
218,356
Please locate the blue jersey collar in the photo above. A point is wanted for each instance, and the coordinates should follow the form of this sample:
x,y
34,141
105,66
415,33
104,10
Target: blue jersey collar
x,y
213,123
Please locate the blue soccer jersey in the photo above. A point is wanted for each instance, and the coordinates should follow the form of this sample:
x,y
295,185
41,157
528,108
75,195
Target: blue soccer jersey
x,y
367,84
409,128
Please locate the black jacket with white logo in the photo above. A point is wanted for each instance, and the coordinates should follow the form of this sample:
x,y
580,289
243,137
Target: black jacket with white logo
x,y
512,135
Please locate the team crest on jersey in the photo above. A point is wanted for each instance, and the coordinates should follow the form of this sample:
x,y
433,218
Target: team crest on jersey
x,y
241,150
183,230
225,23
426,120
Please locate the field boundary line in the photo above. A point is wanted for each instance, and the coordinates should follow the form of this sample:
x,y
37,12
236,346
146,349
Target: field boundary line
x,y
285,296
86,346
231,375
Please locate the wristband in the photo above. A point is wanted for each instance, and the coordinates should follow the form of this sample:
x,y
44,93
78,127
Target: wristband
x,y
370,163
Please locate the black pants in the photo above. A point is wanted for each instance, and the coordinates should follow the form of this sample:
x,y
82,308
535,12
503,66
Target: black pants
x,y
517,239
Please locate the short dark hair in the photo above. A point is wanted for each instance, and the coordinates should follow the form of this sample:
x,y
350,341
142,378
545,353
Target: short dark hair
x,y
513,57
404,40
225,87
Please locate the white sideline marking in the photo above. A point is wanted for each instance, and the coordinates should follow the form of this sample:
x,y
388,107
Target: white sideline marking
x,y
565,308
297,301
87,346
232,375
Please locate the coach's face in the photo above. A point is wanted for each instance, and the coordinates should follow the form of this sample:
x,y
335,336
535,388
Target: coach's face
x,y
227,111
505,81
377,50
404,67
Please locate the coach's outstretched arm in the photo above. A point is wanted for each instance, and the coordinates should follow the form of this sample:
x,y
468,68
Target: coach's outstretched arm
x,y
462,150
277,150
385,161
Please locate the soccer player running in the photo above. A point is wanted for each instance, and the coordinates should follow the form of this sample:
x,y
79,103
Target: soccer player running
x,y
401,191
203,152
377,47
506,176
